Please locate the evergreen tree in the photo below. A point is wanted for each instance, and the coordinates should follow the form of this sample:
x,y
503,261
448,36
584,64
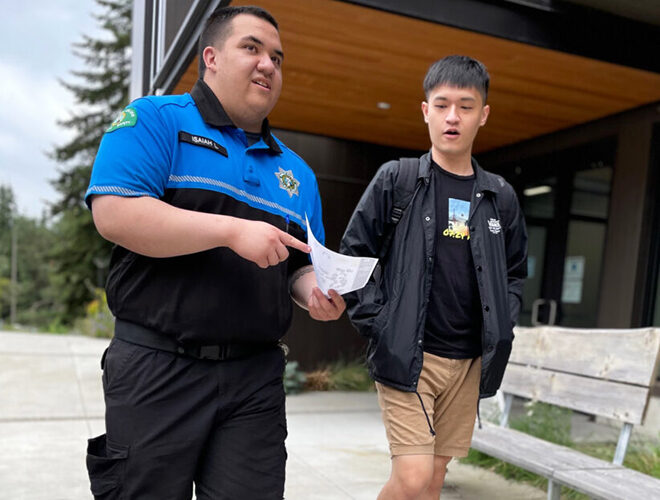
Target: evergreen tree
x,y
35,300
101,92
7,212
7,219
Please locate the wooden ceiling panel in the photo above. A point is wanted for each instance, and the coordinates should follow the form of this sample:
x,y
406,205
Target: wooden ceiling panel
x,y
342,59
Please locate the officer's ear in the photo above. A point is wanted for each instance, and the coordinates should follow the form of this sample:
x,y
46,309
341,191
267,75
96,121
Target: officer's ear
x,y
210,56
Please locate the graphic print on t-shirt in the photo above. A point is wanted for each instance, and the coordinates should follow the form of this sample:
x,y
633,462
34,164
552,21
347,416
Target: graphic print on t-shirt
x,y
459,210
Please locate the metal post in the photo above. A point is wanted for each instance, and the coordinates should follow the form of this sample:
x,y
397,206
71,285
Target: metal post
x,y
508,401
554,490
622,445
138,87
13,289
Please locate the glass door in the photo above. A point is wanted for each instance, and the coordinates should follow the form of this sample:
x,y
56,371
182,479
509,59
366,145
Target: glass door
x,y
565,199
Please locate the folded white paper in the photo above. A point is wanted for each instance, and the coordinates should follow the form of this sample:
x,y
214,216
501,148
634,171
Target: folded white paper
x,y
338,272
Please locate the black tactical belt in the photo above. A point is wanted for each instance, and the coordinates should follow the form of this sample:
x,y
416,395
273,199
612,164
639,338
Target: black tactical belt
x,y
146,337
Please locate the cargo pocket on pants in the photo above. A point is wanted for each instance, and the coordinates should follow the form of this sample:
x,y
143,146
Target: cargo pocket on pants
x,y
105,465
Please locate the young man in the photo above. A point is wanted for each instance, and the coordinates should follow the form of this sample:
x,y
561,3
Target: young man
x,y
439,315
202,202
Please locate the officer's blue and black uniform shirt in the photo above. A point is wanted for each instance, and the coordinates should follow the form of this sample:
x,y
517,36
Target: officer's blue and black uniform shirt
x,y
185,150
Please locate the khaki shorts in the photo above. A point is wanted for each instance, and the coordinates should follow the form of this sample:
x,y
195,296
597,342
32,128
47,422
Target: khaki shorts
x,y
449,389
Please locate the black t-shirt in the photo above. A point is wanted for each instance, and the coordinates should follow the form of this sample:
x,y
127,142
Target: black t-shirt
x,y
453,320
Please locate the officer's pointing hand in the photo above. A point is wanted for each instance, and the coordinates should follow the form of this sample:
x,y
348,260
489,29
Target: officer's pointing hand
x,y
263,243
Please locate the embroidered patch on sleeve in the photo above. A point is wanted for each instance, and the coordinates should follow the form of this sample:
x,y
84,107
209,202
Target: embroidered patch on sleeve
x,y
127,118
494,226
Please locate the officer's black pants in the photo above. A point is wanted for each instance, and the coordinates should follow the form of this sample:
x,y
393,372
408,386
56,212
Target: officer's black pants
x,y
172,421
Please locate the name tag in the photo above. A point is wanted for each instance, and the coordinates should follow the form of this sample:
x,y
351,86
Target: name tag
x,y
204,142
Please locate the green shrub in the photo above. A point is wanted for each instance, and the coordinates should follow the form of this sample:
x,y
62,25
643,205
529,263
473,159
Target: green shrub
x,y
642,456
547,422
294,378
340,376
350,376
318,380
56,326
98,320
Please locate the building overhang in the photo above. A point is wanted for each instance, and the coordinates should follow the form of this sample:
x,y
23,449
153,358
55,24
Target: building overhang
x,y
354,70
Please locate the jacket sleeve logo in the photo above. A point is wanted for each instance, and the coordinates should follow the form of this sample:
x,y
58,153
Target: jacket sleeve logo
x,y
287,181
127,118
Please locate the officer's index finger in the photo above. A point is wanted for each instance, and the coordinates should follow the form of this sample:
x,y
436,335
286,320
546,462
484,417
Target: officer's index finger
x,y
293,242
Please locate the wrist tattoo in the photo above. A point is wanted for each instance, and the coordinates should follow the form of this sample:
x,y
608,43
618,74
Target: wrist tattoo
x,y
300,273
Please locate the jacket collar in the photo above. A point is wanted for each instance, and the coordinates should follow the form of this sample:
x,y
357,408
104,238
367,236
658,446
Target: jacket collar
x,y
485,181
425,167
215,115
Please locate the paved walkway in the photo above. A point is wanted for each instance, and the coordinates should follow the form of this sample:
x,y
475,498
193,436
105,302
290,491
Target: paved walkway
x,y
51,401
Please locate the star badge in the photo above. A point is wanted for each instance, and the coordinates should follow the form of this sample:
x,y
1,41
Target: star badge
x,y
287,181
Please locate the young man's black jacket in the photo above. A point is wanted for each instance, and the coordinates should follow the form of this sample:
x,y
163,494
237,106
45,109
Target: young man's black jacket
x,y
391,309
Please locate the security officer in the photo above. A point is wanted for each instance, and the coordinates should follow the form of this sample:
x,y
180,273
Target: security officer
x,y
202,202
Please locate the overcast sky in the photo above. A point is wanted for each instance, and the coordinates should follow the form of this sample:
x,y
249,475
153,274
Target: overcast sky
x,y
36,38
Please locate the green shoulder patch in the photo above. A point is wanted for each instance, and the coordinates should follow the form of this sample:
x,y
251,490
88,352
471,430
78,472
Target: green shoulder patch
x,y
127,118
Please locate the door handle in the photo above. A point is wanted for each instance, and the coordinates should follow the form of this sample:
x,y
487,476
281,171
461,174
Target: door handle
x,y
552,315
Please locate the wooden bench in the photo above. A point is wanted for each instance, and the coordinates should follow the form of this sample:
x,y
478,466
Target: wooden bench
x,y
607,373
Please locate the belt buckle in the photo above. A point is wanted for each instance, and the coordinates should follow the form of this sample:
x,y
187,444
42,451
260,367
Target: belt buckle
x,y
213,352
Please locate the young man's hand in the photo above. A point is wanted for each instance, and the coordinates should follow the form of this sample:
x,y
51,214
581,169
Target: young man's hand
x,y
306,293
322,308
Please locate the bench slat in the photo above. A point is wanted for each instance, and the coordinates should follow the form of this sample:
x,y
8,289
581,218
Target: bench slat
x,y
626,403
611,484
628,355
531,453
599,372
592,476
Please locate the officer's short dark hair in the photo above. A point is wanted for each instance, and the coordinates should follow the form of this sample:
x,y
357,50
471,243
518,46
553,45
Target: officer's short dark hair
x,y
217,27
458,71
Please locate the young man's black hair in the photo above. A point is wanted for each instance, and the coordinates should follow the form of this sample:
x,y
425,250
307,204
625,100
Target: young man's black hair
x,y
458,71
215,28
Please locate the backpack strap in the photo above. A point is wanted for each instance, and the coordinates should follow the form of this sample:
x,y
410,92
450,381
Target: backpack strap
x,y
404,189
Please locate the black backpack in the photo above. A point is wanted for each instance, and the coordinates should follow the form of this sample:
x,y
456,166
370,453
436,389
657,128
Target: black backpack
x,y
404,190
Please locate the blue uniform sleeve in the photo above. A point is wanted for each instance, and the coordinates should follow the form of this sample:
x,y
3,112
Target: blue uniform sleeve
x,y
316,217
135,154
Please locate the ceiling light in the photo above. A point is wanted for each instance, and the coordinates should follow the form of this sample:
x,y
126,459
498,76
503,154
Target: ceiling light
x,y
383,105
536,190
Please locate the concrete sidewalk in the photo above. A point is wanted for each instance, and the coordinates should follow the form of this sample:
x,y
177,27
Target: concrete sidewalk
x,y
51,402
